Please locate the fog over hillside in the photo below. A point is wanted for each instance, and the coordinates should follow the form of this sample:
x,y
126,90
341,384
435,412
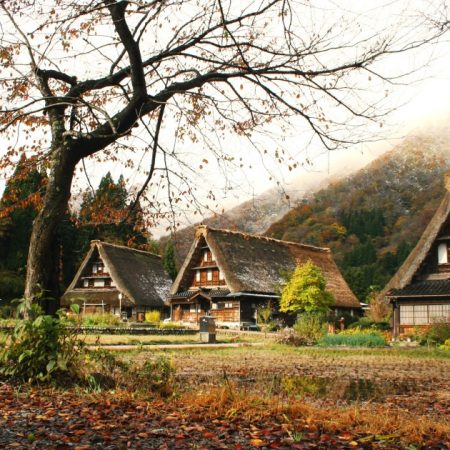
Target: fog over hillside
x,y
379,210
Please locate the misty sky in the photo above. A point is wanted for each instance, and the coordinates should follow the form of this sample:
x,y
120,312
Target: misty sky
x,y
421,101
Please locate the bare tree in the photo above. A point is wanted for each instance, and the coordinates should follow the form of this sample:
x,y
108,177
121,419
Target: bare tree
x,y
82,79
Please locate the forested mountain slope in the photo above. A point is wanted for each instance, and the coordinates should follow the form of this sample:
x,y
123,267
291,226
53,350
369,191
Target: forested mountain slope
x,y
372,219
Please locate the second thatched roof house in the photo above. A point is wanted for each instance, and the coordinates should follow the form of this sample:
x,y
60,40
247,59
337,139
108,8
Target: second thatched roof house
x,y
121,280
420,290
230,275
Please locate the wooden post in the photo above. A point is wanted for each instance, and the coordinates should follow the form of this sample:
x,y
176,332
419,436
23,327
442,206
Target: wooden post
x,y
395,320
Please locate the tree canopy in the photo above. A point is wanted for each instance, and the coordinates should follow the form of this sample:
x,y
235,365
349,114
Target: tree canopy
x,y
104,80
306,291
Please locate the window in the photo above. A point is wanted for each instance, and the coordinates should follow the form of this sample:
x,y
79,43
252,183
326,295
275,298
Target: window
x,y
193,308
422,314
406,315
214,306
99,283
438,312
221,275
94,268
442,254
197,275
209,275
205,255
100,267
85,283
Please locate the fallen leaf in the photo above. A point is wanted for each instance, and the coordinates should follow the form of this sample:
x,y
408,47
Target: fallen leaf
x,y
257,442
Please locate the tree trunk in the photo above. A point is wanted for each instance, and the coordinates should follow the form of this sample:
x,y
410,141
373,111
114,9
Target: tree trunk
x,y
42,281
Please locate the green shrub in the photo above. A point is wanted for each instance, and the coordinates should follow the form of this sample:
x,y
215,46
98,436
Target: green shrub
x,y
310,327
40,348
100,320
8,322
355,339
153,316
6,312
156,375
438,332
367,323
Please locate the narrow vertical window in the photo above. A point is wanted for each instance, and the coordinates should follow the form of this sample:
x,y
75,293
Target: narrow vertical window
x,y
197,275
221,275
205,256
442,254
94,268
209,275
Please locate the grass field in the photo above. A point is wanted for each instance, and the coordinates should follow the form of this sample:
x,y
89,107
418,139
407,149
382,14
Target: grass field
x,y
127,339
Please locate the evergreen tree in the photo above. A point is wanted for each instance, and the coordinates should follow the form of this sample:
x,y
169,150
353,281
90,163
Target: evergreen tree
x,y
18,207
169,260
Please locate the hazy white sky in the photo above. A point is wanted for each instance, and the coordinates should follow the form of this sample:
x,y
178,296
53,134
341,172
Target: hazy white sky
x,y
420,102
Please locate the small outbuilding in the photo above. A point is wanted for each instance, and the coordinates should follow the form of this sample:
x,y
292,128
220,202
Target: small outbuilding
x,y
120,280
229,275
420,290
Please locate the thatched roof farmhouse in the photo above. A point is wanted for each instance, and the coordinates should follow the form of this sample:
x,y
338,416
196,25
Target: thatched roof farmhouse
x,y
119,279
230,274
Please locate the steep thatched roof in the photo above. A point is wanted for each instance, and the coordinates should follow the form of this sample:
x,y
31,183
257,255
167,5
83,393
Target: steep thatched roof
x,y
139,275
416,258
255,264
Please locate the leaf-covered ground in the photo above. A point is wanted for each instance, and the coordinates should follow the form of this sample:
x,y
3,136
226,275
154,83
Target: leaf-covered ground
x,y
244,399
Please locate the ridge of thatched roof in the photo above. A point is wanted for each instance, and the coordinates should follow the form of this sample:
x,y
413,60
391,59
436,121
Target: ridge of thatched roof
x,y
255,264
138,274
413,262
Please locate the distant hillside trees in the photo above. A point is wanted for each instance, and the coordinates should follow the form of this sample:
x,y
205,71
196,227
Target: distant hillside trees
x,y
102,215
372,220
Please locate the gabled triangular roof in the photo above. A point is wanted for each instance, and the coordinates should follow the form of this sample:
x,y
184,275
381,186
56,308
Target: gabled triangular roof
x,y
139,275
413,262
254,264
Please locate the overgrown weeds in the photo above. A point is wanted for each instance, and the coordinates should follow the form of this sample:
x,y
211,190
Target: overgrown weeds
x,y
40,348
105,371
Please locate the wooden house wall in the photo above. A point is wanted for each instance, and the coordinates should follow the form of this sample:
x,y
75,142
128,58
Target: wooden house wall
x,y
227,310
189,312
425,315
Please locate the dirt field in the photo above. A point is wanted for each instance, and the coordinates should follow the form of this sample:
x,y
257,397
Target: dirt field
x,y
416,380
246,398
